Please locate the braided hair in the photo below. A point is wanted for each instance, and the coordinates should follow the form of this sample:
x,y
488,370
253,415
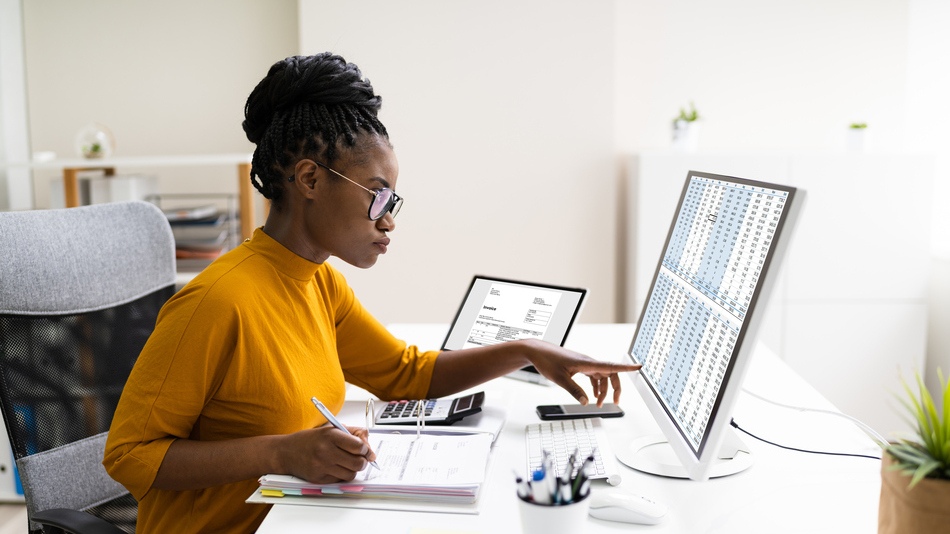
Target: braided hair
x,y
306,105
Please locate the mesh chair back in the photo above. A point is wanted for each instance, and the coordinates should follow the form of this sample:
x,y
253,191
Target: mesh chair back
x,y
80,290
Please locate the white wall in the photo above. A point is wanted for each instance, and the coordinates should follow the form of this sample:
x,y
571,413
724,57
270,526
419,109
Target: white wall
x,y
501,114
16,191
928,73
784,74
167,78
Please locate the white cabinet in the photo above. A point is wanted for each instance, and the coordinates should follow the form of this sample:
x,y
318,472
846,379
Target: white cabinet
x,y
850,309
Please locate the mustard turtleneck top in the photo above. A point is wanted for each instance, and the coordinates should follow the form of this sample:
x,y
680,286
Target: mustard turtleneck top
x,y
239,352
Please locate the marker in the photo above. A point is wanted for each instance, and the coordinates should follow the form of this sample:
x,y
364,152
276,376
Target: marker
x,y
329,415
523,487
540,492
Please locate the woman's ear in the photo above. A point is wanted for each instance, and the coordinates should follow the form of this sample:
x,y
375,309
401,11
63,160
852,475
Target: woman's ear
x,y
305,177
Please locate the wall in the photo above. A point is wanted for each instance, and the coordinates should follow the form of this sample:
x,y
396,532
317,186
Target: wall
x,y
16,192
788,75
501,115
747,65
165,77
928,73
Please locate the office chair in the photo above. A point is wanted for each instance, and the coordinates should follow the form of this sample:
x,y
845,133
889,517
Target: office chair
x,y
80,290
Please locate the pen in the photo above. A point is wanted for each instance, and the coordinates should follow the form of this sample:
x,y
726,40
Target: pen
x,y
569,467
581,479
564,490
329,415
551,479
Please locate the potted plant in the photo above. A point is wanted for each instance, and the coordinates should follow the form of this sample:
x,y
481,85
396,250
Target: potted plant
x,y
686,129
915,471
857,136
94,141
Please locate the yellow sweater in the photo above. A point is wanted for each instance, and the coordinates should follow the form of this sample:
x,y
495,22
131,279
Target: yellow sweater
x,y
239,352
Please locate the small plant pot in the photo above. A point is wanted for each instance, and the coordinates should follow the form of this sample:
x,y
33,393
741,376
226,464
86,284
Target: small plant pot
x,y
923,509
857,140
686,136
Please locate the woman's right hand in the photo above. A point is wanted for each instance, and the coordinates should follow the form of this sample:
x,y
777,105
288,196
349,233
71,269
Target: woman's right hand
x,y
325,455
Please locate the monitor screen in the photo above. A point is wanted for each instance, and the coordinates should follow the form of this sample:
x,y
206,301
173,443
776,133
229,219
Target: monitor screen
x,y
699,309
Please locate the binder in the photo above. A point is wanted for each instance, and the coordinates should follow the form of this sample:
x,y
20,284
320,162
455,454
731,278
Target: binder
x,y
479,431
424,472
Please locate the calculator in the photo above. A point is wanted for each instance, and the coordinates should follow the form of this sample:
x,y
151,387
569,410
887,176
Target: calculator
x,y
434,411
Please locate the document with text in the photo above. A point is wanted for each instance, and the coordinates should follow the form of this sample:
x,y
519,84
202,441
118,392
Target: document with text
x,y
511,312
439,468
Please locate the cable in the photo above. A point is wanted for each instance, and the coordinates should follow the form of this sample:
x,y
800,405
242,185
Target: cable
x,y
881,441
737,427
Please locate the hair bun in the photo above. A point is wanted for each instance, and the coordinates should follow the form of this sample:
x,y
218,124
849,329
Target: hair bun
x,y
323,79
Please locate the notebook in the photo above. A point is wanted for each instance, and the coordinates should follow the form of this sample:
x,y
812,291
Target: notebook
x,y
496,310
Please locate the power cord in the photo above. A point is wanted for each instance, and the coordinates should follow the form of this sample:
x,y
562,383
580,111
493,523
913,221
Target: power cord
x,y
867,429
881,442
744,431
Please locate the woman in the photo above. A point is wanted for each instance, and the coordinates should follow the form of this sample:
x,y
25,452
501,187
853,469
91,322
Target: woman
x,y
220,394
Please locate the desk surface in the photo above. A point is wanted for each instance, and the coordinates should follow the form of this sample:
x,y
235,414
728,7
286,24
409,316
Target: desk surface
x,y
783,491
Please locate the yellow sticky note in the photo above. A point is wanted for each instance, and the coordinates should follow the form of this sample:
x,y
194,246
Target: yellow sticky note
x,y
271,493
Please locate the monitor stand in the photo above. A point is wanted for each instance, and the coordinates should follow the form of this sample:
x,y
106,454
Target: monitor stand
x,y
653,454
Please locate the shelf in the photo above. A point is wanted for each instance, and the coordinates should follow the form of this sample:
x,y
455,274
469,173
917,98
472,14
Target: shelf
x,y
72,167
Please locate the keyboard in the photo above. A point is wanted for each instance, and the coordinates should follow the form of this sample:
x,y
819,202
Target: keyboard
x,y
562,438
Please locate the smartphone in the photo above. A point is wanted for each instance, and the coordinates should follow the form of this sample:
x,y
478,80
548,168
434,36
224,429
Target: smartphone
x,y
577,411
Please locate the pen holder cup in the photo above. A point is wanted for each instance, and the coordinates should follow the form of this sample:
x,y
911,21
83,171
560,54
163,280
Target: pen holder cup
x,y
554,518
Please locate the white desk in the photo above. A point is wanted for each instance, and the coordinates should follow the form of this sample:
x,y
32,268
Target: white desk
x,y
783,491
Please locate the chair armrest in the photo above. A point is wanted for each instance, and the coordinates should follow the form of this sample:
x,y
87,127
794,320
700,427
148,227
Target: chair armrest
x,y
75,521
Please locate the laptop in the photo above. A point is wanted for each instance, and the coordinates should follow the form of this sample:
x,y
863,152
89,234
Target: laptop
x,y
496,310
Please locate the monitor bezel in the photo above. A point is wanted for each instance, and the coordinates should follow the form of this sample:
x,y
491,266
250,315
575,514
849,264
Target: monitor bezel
x,y
698,461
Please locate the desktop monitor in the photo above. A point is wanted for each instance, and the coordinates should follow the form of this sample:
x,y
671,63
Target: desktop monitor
x,y
697,328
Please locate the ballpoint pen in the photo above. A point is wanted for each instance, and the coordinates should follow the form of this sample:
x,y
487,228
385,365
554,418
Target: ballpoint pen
x,y
568,472
329,415
582,482
551,480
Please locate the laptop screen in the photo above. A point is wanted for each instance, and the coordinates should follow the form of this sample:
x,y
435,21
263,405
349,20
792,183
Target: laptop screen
x,y
496,310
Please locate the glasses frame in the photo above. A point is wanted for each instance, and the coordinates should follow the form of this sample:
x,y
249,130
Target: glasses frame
x,y
393,206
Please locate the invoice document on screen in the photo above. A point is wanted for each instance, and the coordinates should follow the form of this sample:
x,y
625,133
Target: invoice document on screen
x,y
513,312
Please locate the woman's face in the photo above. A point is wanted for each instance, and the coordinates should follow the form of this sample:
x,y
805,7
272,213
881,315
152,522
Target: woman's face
x,y
338,222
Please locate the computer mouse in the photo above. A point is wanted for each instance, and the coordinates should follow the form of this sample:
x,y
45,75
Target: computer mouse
x,y
626,508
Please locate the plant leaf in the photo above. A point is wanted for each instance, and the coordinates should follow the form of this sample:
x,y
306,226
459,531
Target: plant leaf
x,y
922,471
926,455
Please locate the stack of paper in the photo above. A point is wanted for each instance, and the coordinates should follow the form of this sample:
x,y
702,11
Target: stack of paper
x,y
432,468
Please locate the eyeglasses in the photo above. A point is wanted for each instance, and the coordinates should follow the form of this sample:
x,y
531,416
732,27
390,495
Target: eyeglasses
x,y
385,200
